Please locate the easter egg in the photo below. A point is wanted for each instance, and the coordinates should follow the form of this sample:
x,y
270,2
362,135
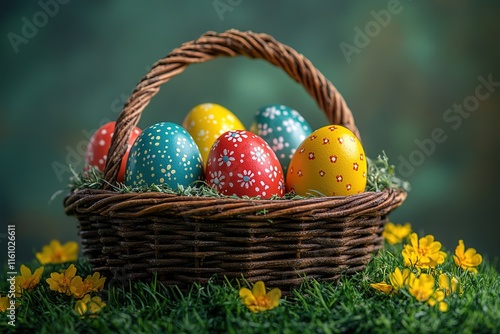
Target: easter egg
x,y
96,153
330,161
164,153
283,128
206,122
241,163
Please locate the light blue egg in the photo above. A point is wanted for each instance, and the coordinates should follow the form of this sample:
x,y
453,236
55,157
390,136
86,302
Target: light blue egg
x,y
164,153
283,128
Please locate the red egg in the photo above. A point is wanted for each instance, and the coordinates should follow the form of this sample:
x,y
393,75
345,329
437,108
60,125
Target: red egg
x,y
98,146
241,163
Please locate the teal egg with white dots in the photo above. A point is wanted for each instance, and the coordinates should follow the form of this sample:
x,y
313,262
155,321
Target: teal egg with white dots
x,y
283,128
164,153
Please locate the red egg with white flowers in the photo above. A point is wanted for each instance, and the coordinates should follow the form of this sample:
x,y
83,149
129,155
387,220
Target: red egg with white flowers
x,y
243,164
96,153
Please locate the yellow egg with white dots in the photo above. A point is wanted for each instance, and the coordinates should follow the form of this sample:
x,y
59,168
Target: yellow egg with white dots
x,y
206,122
330,162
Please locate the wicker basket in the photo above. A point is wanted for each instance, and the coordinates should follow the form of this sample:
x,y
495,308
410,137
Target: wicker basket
x,y
186,239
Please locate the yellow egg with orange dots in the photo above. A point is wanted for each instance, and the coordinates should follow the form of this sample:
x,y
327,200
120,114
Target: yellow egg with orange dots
x,y
206,122
329,162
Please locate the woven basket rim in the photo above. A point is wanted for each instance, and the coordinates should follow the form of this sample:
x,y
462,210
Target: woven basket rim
x,y
134,204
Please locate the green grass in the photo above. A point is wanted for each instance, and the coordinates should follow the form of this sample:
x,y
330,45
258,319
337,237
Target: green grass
x,y
350,305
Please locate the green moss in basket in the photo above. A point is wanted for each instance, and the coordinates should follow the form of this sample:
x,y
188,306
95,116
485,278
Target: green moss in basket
x,y
381,175
92,178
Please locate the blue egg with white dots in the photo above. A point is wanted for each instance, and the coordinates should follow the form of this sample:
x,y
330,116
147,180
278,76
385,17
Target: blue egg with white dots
x,y
164,153
283,128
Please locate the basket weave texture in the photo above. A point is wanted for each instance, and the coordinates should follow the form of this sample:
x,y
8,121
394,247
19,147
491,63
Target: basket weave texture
x,y
187,239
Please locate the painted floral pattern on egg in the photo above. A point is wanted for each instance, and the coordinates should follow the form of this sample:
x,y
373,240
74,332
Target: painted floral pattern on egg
x,y
283,128
164,153
241,163
206,122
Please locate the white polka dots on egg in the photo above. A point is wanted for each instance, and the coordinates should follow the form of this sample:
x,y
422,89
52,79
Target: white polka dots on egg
x,y
282,128
156,158
206,122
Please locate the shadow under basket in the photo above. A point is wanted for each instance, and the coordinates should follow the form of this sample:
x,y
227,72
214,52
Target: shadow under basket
x,y
186,239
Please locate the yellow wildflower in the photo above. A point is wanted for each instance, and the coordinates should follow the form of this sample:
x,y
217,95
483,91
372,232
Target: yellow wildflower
x,y
92,283
57,253
382,287
4,303
467,259
399,279
27,281
438,298
421,287
89,306
64,281
447,285
395,233
423,253
258,300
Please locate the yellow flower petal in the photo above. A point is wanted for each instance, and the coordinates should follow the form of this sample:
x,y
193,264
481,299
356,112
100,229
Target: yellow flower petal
x,y
422,287
71,249
396,278
258,300
71,271
443,306
54,252
95,281
395,234
81,307
382,287
53,285
438,296
38,272
89,306
467,259
4,303
472,270
27,281
274,296
259,289
424,253
247,296
414,239
25,271
460,250
62,282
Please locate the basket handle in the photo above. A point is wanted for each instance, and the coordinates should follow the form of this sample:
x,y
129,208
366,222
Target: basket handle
x,y
230,44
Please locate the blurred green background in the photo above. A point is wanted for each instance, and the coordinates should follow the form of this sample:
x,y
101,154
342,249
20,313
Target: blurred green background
x,y
74,67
